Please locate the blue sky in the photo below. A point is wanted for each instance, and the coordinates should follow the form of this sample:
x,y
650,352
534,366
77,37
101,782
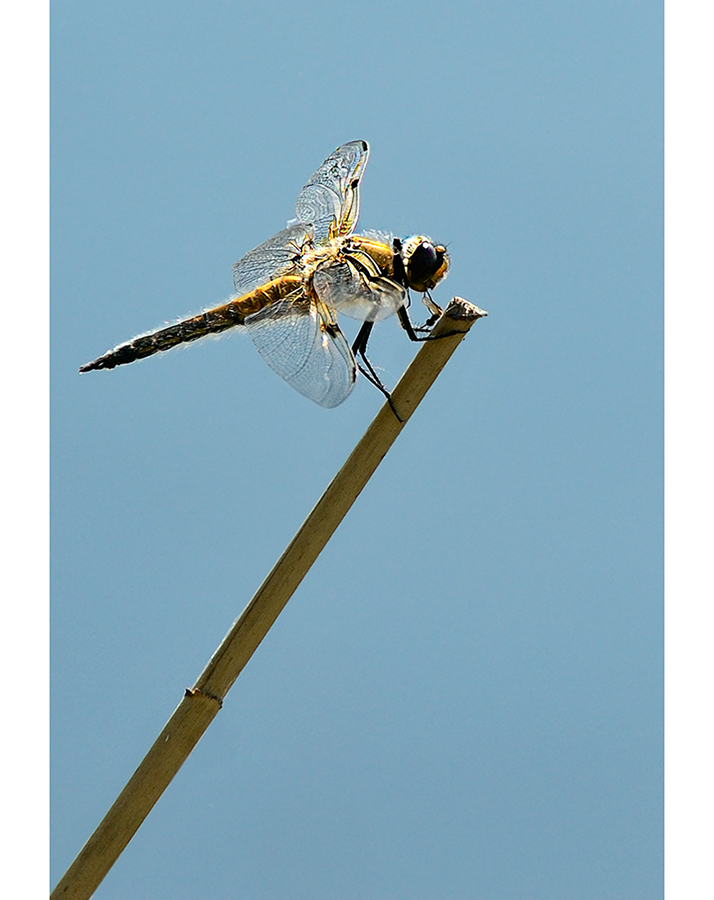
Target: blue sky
x,y
464,696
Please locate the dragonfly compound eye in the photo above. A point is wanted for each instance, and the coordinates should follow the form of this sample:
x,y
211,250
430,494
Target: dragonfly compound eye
x,y
426,263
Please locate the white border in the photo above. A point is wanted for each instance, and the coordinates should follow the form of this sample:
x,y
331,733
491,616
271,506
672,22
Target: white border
x,y
24,568
689,448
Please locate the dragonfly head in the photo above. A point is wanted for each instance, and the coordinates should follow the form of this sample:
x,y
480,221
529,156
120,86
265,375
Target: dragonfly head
x,y
424,262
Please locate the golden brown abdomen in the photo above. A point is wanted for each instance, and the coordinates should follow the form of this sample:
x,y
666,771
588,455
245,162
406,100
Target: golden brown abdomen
x,y
212,321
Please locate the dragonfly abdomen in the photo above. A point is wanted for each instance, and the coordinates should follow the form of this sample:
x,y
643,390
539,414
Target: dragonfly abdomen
x,y
212,321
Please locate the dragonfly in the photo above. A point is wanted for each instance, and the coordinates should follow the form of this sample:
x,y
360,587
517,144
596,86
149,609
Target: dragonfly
x,y
289,289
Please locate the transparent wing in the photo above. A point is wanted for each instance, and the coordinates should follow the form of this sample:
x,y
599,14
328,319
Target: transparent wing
x,y
342,286
278,256
300,341
329,202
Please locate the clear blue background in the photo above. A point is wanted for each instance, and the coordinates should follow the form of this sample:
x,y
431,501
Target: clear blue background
x,y
463,699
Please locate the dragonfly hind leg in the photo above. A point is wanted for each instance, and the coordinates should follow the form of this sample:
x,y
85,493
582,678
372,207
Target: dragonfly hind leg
x,y
359,348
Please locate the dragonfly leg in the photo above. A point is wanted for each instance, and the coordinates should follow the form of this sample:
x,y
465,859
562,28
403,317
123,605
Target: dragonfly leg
x,y
359,348
414,333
